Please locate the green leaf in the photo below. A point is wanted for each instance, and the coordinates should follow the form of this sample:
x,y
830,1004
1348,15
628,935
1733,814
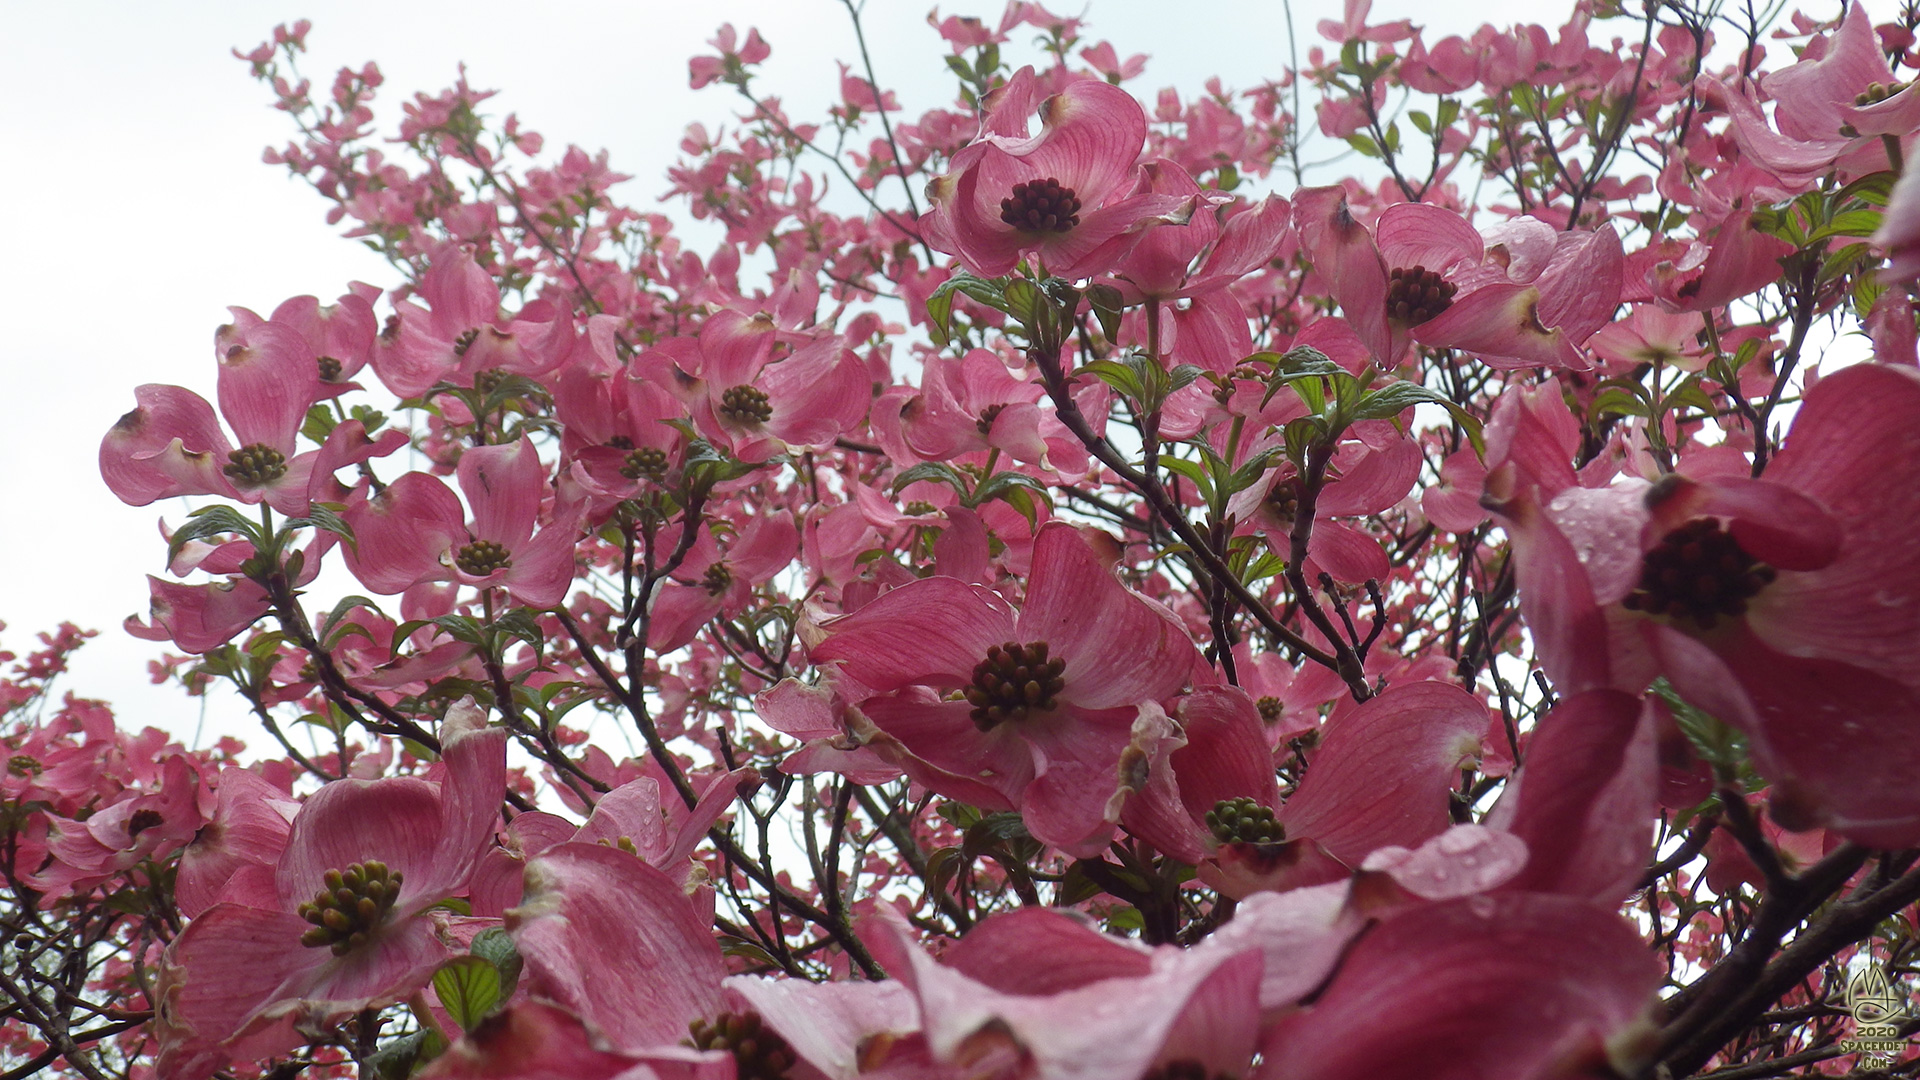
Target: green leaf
x,y
468,988
1123,378
1106,302
211,521
1002,483
520,623
938,471
1848,223
319,423
496,947
332,619
1618,402
940,314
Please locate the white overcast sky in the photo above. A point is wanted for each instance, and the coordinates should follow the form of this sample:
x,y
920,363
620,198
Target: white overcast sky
x,y
141,209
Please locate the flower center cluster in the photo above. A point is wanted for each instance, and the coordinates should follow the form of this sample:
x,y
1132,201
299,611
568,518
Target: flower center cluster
x,y
486,382
1698,572
758,1053
23,765
645,461
987,416
1416,294
330,368
142,820
1243,821
1270,708
717,578
1284,500
256,464
351,906
482,557
1184,1069
465,341
1041,206
746,404
1013,681
1875,93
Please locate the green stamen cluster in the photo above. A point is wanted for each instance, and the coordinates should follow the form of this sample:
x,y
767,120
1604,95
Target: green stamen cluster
x,y
717,579
1014,681
746,404
486,382
1243,821
758,1052
351,906
644,462
481,558
256,464
1270,708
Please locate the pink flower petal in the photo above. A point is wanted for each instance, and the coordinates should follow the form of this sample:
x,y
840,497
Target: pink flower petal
x,y
1584,801
932,631
1119,650
616,941
1493,985
1383,772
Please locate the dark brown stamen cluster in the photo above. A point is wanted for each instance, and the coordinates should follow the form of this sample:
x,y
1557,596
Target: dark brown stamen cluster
x,y
1013,681
1041,206
759,1053
717,578
1698,572
620,442
1184,1069
482,557
645,462
987,416
465,341
390,329
330,368
256,464
1283,501
1243,821
486,382
746,404
351,906
1270,708
1416,294
142,820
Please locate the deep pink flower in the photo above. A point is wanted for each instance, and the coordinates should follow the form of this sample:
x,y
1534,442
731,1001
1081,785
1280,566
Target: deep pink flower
x,y
460,336
416,531
1065,195
172,444
1521,294
1046,697
239,980
1830,108
753,404
1203,323
1787,606
1368,474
